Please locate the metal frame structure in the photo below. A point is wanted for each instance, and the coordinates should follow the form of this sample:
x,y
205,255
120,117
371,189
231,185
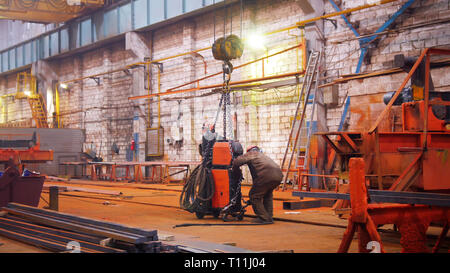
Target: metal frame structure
x,y
411,212
177,90
423,152
411,155
365,41
25,155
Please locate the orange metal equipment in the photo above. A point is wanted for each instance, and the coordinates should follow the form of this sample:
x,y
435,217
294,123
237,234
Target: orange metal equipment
x,y
411,220
415,159
221,161
14,186
20,155
221,196
413,114
221,154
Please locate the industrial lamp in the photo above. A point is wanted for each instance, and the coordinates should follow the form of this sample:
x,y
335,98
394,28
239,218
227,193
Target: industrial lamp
x,y
256,42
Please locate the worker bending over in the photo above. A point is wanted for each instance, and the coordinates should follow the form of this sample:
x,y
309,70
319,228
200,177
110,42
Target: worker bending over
x,y
266,176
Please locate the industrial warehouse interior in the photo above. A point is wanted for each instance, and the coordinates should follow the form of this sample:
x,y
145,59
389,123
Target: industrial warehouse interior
x,y
251,127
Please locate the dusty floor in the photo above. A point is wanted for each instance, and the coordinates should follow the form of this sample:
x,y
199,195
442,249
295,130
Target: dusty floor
x,y
156,206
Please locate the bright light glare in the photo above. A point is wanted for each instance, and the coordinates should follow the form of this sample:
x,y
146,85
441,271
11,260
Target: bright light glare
x,y
63,85
27,93
256,42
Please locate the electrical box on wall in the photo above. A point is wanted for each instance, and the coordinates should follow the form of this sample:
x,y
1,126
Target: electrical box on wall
x,y
331,95
155,142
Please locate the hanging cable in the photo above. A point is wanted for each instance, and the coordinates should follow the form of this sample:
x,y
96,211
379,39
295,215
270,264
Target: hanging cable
x,y
241,15
224,18
199,188
231,19
214,15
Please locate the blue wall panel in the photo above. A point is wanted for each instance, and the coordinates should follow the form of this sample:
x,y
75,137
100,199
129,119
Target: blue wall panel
x,y
174,8
125,20
191,5
141,10
12,58
98,28
74,36
28,53
54,43
111,23
19,56
86,32
35,50
5,66
157,11
64,40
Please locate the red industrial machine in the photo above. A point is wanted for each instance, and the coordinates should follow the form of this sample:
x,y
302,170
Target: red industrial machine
x,y
17,184
212,188
227,194
415,213
221,161
411,167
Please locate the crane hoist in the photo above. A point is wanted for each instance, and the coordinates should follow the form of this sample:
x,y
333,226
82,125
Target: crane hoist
x,y
212,187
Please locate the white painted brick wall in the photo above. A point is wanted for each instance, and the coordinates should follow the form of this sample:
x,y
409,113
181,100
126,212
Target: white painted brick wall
x,y
265,125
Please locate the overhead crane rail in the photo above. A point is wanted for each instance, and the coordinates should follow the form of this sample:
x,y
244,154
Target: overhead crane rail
x,y
47,11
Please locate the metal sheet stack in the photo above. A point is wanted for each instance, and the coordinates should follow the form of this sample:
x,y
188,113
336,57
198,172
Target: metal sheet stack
x,y
61,232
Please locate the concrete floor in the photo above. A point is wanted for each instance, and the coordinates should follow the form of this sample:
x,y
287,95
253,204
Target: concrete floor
x,y
156,206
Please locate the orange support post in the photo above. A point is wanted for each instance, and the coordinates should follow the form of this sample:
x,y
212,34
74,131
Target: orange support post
x,y
360,220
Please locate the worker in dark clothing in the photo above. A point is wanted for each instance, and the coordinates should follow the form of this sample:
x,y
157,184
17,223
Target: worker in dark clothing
x,y
266,176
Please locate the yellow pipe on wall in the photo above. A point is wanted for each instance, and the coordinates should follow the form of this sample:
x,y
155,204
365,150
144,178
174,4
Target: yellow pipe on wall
x,y
149,90
3,105
58,117
159,98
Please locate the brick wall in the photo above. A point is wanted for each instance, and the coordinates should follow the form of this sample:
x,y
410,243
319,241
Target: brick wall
x,y
265,125
263,119
416,31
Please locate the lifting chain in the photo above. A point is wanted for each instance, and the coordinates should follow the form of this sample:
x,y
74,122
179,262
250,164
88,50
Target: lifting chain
x,y
227,48
226,98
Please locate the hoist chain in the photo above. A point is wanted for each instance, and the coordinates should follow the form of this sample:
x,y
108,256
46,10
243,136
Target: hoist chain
x,y
227,69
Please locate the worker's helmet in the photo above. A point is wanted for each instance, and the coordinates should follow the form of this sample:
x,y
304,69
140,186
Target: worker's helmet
x,y
253,148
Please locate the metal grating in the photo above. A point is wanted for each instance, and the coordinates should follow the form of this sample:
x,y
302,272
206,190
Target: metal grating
x,y
155,142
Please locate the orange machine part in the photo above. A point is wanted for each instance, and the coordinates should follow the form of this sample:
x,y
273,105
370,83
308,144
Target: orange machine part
x,y
436,169
221,154
221,196
413,116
